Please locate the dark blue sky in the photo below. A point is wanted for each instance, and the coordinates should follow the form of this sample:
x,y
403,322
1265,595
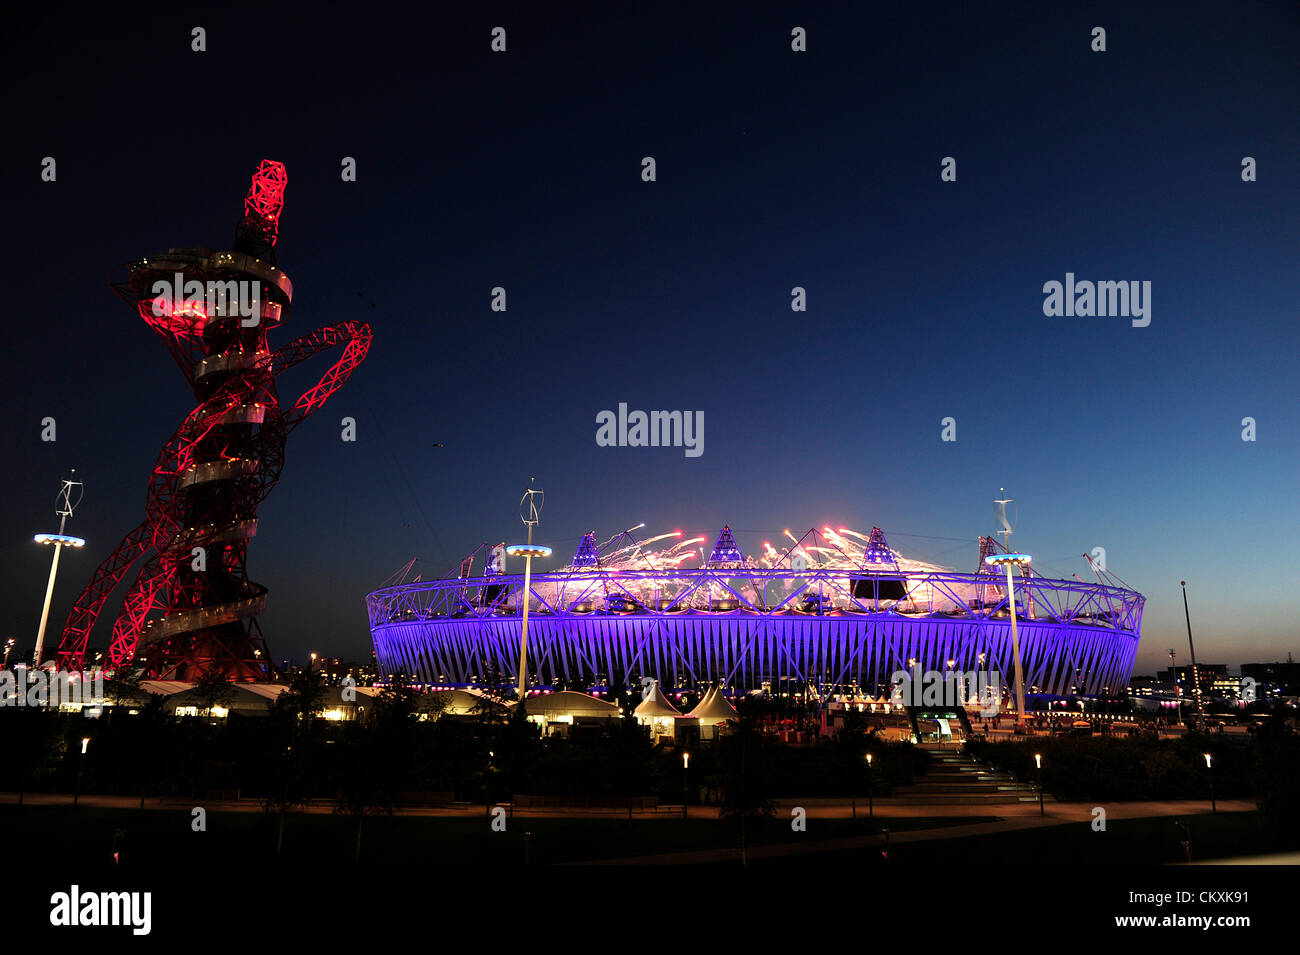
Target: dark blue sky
x,y
775,169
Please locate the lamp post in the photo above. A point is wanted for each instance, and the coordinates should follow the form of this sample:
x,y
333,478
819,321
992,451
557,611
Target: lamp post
x,y
66,505
85,744
1038,759
686,763
9,648
871,796
1007,561
1209,765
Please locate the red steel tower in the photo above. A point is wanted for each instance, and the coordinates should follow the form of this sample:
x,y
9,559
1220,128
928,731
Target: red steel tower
x,y
214,311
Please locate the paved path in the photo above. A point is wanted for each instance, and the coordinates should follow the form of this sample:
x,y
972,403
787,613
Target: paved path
x,y
1054,812
1011,821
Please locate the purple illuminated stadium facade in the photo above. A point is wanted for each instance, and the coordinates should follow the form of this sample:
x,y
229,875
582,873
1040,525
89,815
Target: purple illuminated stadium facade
x,y
827,614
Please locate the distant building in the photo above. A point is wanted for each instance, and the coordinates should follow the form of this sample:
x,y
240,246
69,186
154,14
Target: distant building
x,y
1144,686
1173,677
1283,678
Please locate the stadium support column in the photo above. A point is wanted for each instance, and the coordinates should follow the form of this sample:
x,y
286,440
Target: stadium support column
x,y
1007,560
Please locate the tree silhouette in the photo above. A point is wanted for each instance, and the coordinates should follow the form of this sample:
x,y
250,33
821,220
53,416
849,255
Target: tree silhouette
x,y
213,689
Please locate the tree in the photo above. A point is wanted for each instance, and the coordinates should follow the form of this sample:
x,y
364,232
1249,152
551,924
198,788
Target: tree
x,y
395,706
367,784
150,733
33,735
296,706
848,755
486,709
122,688
304,699
744,760
1277,781
213,689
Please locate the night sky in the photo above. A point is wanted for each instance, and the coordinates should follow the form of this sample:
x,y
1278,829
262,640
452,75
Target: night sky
x,y
775,169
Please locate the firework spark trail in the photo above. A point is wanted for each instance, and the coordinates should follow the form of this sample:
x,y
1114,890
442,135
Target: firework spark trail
x,y
628,554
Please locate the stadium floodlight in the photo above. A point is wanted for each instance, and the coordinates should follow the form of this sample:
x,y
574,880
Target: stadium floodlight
x,y
1008,561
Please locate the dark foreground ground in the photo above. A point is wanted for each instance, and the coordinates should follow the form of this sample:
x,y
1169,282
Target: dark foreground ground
x,y
423,873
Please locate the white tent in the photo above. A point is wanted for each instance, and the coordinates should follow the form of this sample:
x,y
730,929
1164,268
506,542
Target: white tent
x,y
568,704
247,699
713,708
455,702
656,712
656,706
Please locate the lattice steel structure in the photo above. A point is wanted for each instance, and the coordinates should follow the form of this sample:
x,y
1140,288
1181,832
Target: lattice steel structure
x,y
224,458
826,628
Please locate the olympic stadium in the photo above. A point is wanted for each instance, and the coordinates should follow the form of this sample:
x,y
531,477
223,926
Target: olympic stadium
x,y
834,611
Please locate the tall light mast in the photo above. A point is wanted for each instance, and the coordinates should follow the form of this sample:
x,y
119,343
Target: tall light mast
x,y
68,498
1007,561
530,511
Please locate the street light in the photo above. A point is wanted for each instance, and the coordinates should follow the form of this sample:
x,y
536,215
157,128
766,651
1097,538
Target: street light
x,y
1007,561
9,648
76,795
1209,765
871,796
1038,758
686,763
